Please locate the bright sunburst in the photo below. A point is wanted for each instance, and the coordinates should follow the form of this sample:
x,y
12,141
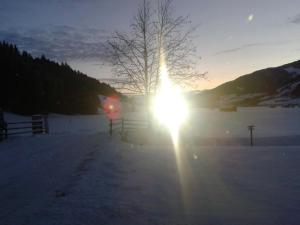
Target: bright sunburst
x,y
169,106
171,110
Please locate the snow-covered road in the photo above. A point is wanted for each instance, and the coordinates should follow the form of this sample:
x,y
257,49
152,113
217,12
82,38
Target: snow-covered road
x,y
92,179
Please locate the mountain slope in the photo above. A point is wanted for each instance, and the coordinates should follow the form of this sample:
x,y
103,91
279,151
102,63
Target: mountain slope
x,y
253,89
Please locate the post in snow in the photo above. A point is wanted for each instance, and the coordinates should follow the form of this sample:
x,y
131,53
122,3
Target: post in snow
x,y
251,128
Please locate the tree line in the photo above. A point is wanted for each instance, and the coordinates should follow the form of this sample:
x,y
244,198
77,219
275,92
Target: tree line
x,y
31,85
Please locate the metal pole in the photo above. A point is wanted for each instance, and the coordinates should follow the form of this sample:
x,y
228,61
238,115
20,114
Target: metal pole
x,y
251,128
251,138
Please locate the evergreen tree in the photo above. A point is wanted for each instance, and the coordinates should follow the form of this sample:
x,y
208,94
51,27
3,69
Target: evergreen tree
x,y
37,85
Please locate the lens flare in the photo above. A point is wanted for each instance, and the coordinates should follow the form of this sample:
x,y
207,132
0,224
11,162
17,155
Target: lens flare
x,y
250,17
171,110
169,105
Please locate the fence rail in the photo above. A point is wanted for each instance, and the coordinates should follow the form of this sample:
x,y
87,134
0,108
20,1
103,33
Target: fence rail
x,y
38,125
123,125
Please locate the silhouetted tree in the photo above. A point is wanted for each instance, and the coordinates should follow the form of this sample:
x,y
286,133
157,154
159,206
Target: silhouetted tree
x,y
136,57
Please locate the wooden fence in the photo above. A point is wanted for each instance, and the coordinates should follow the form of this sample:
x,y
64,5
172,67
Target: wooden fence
x,y
37,125
123,125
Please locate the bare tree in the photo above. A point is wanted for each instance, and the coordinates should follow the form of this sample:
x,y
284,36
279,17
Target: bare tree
x,y
136,57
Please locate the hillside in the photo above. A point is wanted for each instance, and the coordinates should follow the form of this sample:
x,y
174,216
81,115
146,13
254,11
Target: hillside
x,y
271,87
38,85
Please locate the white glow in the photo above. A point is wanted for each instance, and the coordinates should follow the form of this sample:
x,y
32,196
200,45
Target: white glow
x,y
171,110
169,106
250,17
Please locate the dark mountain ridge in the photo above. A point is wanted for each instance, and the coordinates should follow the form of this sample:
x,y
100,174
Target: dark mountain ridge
x,y
31,85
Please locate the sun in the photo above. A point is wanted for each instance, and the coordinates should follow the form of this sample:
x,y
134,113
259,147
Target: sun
x,y
169,105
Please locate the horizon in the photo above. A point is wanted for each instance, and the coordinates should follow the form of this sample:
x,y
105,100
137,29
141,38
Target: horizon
x,y
258,35
132,94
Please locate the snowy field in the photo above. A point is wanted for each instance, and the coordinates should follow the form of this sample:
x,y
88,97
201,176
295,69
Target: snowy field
x,y
269,122
79,175
202,123
273,126
66,124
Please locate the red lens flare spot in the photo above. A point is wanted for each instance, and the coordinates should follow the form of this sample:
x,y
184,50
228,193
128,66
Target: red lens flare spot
x,y
112,107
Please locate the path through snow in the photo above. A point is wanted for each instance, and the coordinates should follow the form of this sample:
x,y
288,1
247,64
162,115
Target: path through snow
x,y
108,182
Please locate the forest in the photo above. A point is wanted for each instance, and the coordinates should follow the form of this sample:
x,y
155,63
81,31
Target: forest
x,y
30,85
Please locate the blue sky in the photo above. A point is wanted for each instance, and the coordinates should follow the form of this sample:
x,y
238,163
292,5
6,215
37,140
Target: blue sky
x,y
234,37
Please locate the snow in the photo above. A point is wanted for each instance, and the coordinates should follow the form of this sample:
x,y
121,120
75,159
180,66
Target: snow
x,y
280,101
268,122
79,175
230,99
67,124
292,70
282,96
108,182
287,89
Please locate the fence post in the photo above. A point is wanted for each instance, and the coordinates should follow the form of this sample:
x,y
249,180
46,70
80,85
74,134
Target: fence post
x,y
37,124
110,127
251,128
122,128
46,124
2,130
1,133
5,130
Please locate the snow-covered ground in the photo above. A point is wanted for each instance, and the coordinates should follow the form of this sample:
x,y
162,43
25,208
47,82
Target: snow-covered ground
x,y
268,122
79,175
203,122
272,125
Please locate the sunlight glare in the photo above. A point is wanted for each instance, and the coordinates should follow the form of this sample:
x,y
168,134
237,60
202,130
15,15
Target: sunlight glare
x,y
171,110
169,105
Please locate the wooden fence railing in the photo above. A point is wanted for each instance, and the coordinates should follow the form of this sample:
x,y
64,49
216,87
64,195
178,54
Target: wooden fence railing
x,y
37,125
123,125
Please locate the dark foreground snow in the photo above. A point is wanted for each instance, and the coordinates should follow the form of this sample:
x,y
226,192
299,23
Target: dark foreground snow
x,y
92,179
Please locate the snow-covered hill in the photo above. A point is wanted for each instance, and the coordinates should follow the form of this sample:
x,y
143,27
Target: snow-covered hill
x,y
278,86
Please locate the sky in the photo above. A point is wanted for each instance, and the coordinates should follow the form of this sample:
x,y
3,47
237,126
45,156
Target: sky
x,y
234,37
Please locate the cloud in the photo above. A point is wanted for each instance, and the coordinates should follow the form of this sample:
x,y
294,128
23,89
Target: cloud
x,y
255,44
295,19
242,47
62,43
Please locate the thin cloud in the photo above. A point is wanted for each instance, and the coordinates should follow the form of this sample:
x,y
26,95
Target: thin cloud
x,y
295,19
231,50
62,43
250,45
